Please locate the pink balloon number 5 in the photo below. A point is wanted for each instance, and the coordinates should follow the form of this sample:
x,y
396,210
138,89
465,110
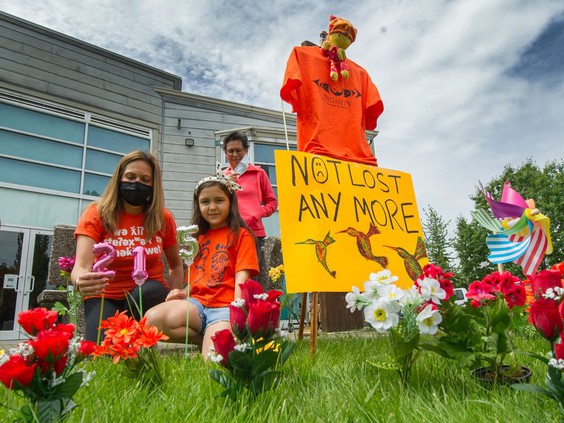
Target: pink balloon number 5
x,y
105,254
139,273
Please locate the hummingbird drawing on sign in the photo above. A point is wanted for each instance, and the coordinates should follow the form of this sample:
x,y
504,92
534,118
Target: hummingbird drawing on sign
x,y
411,262
321,251
363,244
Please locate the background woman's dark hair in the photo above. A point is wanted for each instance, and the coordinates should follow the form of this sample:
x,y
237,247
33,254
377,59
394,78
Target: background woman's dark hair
x,y
236,136
234,219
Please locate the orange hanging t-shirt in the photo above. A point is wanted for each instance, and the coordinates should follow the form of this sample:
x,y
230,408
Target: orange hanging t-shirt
x,y
332,116
130,234
212,275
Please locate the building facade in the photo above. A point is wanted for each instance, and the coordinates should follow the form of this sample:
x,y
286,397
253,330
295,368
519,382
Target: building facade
x,y
68,112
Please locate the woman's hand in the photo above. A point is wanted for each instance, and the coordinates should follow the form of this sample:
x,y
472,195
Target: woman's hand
x,y
176,294
91,283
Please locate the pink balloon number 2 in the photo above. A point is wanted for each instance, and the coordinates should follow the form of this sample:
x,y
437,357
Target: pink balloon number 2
x,y
105,254
139,273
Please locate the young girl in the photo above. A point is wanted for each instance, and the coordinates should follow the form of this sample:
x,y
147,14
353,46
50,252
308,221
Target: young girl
x,y
227,257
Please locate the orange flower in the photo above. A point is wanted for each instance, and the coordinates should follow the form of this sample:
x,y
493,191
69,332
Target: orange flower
x,y
529,297
120,328
149,335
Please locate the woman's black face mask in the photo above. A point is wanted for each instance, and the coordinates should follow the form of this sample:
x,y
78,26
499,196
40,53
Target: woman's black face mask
x,y
135,193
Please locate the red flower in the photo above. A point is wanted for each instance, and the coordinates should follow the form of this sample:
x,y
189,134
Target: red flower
x,y
516,296
223,344
559,348
545,317
16,370
238,320
559,266
50,350
479,292
64,327
37,319
86,348
263,318
545,279
249,289
444,278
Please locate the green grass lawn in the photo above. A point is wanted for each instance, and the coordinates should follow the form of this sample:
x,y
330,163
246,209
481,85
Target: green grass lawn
x,y
335,385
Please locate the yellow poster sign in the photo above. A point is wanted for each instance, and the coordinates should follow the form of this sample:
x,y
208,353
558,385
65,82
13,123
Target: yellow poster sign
x,y
341,221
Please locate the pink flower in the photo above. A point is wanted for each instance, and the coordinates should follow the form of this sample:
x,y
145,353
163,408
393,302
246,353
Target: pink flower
x,y
479,293
66,264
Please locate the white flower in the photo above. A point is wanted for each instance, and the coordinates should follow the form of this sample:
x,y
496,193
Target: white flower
x,y
3,357
370,289
87,377
263,297
381,315
411,296
215,357
356,300
239,303
431,290
383,277
389,293
558,364
554,293
428,320
23,348
242,347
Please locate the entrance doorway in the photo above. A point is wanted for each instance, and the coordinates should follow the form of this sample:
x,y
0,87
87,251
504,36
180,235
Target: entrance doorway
x,y
24,265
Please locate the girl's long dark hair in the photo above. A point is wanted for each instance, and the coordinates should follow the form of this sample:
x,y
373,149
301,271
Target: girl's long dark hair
x,y
234,220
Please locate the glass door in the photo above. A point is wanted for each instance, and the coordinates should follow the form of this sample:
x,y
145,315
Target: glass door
x,y
24,264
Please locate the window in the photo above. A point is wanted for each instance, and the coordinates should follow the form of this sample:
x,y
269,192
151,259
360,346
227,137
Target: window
x,y
55,148
264,157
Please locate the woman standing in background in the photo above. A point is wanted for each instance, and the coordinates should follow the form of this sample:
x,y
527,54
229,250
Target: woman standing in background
x,y
256,199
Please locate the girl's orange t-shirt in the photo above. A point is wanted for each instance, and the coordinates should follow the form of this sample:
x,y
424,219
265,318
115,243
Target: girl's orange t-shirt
x,y
212,275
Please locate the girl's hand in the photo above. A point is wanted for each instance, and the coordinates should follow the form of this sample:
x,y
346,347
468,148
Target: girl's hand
x,y
176,294
91,284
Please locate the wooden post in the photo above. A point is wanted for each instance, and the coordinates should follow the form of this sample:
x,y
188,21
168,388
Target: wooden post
x,y
302,316
500,268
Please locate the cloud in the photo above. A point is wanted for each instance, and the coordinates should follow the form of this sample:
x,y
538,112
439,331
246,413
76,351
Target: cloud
x,y
468,86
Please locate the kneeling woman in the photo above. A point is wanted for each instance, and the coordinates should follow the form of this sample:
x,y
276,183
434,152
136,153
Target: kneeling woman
x,y
129,214
227,257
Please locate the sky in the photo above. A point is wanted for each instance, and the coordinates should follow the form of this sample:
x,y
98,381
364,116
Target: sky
x,y
469,86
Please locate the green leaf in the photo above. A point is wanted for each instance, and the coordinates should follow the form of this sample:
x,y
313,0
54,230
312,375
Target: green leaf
x,y
49,411
69,388
59,308
386,365
287,348
527,387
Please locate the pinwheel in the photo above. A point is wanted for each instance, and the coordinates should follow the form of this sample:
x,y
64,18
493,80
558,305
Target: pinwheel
x,y
521,234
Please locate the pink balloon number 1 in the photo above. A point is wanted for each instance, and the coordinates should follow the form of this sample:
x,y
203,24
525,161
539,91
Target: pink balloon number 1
x,y
139,273
105,254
